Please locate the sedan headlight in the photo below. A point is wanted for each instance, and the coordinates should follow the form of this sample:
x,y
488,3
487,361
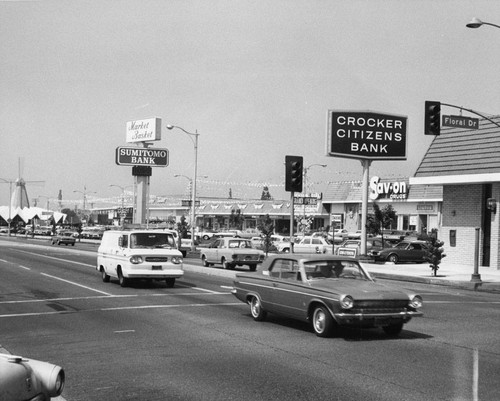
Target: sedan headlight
x,y
136,259
416,301
176,260
346,302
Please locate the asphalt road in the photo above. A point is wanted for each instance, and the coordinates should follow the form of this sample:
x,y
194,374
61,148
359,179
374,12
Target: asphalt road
x,y
197,342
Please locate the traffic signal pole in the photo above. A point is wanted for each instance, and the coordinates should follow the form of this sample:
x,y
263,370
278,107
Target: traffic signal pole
x,y
294,166
292,219
364,206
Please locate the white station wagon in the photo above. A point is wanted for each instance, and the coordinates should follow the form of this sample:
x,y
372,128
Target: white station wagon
x,y
232,252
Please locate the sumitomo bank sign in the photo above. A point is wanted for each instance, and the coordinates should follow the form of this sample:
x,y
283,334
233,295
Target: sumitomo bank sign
x,y
366,135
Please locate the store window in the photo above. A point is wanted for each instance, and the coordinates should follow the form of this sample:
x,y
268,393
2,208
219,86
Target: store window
x,y
406,222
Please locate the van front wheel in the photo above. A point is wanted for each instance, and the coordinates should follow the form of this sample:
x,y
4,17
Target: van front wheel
x,y
105,277
170,282
123,280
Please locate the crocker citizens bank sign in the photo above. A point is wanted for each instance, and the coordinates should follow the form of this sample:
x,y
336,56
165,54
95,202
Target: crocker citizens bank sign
x,y
366,135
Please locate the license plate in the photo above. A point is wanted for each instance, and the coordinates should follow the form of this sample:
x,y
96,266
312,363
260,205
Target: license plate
x,y
156,267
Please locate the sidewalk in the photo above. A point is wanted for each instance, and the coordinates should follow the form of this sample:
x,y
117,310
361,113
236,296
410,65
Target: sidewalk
x,y
457,276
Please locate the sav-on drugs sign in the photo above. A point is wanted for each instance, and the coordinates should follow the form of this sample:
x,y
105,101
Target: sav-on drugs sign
x,y
366,135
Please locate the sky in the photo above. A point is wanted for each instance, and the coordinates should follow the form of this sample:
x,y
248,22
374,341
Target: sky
x,y
255,79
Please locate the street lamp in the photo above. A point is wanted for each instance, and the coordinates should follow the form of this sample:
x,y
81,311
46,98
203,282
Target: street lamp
x,y
476,23
191,193
10,202
306,169
122,211
194,138
46,197
84,193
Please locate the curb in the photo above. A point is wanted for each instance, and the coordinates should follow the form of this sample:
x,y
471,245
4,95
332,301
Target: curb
x,y
483,286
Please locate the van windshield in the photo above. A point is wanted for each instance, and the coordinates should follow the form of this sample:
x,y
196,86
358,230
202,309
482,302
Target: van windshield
x,y
152,240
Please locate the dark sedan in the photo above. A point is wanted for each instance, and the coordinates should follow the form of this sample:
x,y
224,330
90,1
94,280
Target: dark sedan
x,y
405,251
328,291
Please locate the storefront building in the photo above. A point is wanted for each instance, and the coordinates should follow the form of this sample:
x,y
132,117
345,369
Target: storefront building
x,y
418,207
466,163
221,214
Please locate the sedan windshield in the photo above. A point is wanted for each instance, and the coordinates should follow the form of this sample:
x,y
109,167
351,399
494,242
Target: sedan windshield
x,y
334,269
152,240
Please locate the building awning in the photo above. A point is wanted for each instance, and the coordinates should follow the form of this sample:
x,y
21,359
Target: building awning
x,y
455,179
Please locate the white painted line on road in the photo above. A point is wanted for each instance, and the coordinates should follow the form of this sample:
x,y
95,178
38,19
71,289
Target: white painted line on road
x,y
24,267
72,282
118,308
59,259
124,331
176,294
167,306
209,291
5,261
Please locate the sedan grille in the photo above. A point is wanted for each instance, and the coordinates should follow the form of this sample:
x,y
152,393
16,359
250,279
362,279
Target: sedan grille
x,y
380,306
248,257
156,259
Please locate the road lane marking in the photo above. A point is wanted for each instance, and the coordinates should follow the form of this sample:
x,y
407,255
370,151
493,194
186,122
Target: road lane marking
x,y
73,283
59,259
24,267
185,294
120,308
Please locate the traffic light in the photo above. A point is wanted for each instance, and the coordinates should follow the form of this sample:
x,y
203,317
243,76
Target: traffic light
x,y
293,173
432,117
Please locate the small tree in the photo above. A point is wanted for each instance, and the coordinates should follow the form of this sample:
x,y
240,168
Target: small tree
x,y
266,195
183,227
381,219
266,227
236,219
435,254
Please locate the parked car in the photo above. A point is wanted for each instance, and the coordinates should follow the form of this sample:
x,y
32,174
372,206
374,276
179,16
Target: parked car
x,y
373,246
257,241
309,245
328,291
280,241
63,237
231,252
354,235
187,244
405,251
338,235
206,234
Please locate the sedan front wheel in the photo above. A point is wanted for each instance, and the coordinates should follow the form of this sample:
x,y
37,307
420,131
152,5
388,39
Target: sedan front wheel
x,y
322,322
256,310
393,258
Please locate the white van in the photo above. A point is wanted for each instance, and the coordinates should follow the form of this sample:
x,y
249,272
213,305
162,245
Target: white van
x,y
140,254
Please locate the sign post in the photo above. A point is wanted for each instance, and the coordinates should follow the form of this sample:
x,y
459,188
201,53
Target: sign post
x,y
366,136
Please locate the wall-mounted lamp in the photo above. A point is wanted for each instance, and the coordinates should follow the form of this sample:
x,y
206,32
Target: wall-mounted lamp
x,y
491,204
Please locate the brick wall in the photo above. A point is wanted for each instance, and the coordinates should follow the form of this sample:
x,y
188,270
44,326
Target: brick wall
x,y
463,208
462,211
